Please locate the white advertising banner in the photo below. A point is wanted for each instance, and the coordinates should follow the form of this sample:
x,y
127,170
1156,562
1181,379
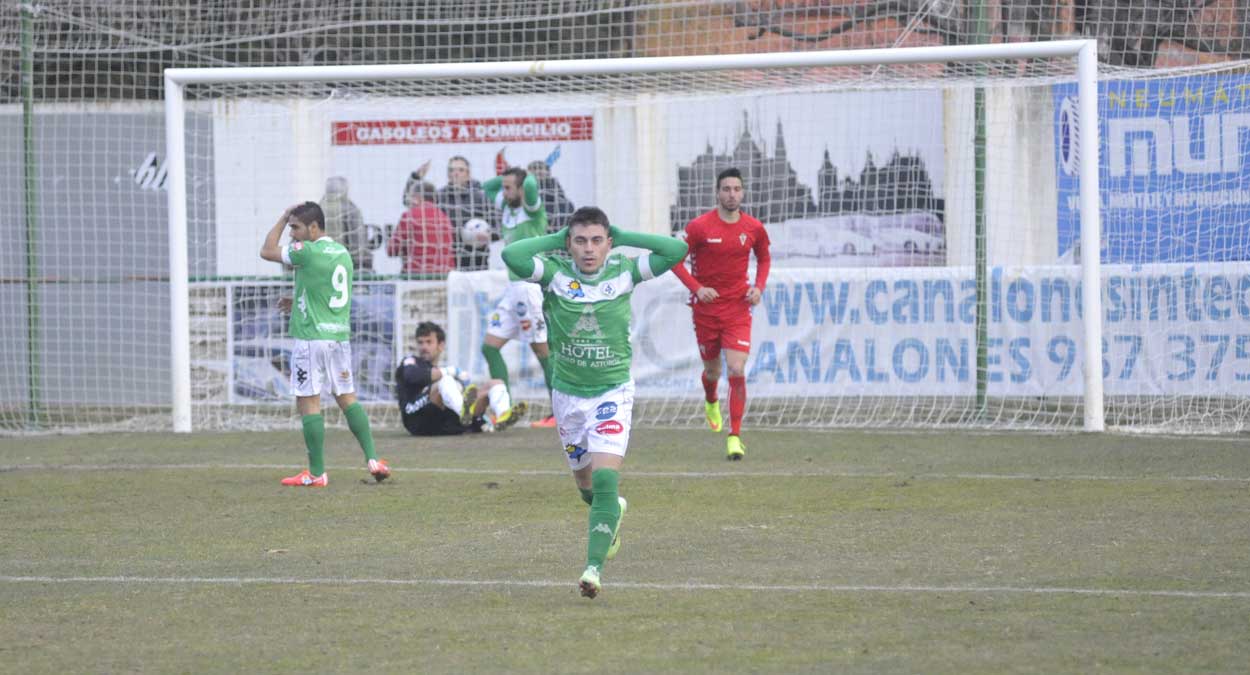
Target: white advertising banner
x,y
1167,329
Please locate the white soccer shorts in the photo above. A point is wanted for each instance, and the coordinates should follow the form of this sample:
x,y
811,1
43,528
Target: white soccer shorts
x,y
519,314
318,365
599,424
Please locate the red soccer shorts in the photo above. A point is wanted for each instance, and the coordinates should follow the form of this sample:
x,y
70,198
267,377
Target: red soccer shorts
x,y
715,332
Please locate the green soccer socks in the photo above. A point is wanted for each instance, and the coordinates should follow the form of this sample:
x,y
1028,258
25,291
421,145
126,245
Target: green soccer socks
x,y
315,439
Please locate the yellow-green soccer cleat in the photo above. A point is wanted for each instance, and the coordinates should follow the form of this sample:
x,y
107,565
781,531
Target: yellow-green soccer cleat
x,y
712,412
589,583
511,416
735,449
466,411
616,540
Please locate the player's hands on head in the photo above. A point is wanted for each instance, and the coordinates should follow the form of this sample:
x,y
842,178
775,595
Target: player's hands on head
x,y
706,294
285,304
754,295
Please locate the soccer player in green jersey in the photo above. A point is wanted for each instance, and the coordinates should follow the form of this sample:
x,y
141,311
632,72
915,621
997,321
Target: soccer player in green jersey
x,y
588,316
321,327
519,314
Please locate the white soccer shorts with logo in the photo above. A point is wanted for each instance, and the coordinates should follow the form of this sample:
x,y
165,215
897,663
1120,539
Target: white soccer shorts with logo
x,y
321,365
598,424
519,314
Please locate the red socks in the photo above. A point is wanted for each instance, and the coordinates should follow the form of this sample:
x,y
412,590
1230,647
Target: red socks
x,y
737,403
709,388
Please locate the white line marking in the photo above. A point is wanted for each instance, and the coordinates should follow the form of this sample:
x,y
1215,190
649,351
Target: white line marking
x,y
541,583
647,474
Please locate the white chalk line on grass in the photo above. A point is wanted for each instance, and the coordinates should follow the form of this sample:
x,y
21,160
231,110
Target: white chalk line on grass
x,y
631,585
644,474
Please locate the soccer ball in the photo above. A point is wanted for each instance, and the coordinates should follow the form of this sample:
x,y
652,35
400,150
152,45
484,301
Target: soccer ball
x,y
475,233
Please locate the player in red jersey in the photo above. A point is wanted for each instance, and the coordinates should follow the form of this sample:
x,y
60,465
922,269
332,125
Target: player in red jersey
x,y
721,242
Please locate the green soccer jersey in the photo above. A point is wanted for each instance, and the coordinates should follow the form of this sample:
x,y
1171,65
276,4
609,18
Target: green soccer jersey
x,y
588,321
589,315
520,222
323,290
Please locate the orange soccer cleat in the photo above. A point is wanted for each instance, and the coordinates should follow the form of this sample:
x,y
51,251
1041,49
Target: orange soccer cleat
x,y
306,479
379,469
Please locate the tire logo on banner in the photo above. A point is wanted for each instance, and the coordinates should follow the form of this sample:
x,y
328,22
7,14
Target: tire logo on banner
x,y
1068,127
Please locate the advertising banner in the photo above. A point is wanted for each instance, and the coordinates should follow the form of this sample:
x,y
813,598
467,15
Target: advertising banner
x,y
1168,329
260,347
1175,177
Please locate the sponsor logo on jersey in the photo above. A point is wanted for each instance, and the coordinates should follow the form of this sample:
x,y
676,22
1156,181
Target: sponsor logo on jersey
x,y
575,289
575,452
742,239
297,246
744,343
520,309
587,324
609,427
605,411
494,320
714,241
608,289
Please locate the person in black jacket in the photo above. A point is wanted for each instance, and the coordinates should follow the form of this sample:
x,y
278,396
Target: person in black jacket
x,y
440,400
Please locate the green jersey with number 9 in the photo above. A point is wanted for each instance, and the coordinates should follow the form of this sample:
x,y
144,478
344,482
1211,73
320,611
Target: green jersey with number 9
x,y
322,306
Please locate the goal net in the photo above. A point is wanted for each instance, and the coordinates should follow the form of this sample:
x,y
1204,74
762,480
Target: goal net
x,y
880,175
925,217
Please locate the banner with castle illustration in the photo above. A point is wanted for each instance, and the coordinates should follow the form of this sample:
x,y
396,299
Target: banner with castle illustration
x,y
846,179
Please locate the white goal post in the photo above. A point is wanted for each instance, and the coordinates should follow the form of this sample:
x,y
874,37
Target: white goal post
x,y
1083,52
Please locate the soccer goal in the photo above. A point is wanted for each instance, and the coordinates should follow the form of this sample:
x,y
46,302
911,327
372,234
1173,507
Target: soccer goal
x,y
928,210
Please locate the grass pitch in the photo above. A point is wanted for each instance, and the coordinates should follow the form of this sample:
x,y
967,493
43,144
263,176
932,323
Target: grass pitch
x,y
821,552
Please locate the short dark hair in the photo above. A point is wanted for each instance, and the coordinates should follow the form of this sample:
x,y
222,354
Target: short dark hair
x,y
516,171
731,172
309,213
429,327
459,158
589,215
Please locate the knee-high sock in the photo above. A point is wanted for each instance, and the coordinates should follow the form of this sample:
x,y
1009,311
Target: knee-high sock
x,y
546,364
737,403
709,388
499,400
358,422
453,395
315,440
495,363
605,515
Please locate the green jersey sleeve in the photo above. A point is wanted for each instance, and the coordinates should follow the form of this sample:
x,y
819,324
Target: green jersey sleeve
x,y
666,252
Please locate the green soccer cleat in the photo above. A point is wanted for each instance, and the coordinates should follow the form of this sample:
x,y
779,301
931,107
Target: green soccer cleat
x,y
735,449
589,583
712,412
616,540
466,411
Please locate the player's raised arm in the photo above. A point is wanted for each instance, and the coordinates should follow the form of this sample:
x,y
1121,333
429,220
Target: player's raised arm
x,y
519,256
492,187
666,252
270,250
529,188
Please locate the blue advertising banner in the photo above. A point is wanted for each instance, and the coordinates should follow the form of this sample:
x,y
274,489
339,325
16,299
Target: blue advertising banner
x,y
1175,169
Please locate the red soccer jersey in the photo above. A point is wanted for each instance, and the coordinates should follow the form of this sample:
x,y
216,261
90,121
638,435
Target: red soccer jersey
x,y
719,253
